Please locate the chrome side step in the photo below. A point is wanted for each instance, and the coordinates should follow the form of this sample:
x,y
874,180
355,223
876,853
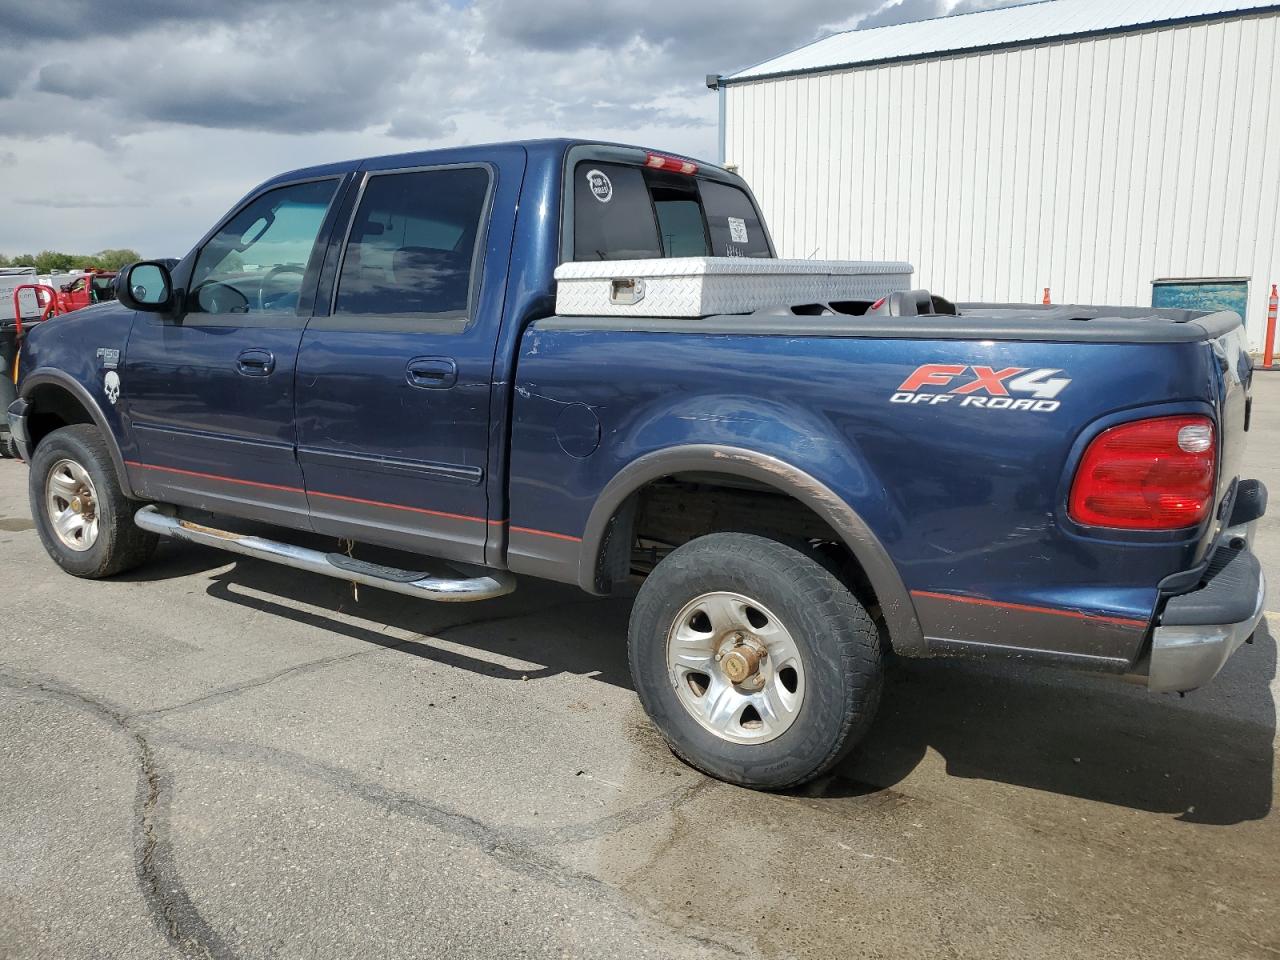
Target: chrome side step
x,y
492,583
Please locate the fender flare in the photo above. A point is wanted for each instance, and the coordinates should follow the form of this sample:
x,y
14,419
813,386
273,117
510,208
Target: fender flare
x,y
48,376
906,636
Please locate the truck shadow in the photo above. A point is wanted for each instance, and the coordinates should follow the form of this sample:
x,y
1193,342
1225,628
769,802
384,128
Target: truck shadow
x,y
1207,758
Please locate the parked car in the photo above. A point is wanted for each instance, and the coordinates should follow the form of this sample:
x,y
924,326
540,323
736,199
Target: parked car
x,y
371,351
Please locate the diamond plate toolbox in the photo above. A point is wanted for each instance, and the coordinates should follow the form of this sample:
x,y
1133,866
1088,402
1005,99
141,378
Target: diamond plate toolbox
x,y
704,286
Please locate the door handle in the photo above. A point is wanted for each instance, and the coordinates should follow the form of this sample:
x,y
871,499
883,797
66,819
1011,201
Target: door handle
x,y
431,373
255,363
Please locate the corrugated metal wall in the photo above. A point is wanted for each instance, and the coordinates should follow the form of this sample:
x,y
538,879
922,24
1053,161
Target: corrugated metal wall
x,y
1091,167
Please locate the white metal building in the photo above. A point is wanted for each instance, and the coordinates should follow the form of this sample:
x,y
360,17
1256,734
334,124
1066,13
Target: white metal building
x,y
1095,147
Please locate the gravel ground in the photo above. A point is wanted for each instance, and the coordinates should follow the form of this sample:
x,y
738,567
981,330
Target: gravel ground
x,y
219,757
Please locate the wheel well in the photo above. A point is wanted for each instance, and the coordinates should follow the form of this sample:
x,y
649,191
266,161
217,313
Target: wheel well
x,y
670,511
53,407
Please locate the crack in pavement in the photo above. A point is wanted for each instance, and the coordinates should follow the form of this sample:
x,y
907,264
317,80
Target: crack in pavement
x,y
518,851
169,905
172,908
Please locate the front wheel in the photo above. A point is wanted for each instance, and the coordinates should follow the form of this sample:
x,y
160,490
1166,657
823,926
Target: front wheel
x,y
83,517
755,662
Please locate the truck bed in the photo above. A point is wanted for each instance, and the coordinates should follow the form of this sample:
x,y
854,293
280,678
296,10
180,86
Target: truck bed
x,y
1065,323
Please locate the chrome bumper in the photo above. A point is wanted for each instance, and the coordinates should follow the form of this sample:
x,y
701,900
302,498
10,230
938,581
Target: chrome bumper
x,y
1184,657
17,417
1197,631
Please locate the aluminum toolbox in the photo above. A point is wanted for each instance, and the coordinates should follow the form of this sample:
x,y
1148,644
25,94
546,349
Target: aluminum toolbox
x,y
702,286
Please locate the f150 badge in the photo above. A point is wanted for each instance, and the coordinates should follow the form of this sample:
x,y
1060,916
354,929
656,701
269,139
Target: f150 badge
x,y
1009,388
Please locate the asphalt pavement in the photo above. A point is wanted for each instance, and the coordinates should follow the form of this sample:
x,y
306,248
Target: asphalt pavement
x,y
217,757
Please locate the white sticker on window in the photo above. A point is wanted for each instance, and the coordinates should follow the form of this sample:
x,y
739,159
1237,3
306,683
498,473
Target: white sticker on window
x,y
737,230
601,186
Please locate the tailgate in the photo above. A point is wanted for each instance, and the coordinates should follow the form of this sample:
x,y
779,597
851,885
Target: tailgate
x,y
1234,399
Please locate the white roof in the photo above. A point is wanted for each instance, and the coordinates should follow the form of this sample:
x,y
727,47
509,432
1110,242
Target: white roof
x,y
1024,23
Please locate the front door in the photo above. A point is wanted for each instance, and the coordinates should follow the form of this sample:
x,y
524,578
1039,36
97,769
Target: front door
x,y
393,385
209,395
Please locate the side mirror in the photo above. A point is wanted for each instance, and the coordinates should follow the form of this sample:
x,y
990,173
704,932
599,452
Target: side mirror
x,y
146,286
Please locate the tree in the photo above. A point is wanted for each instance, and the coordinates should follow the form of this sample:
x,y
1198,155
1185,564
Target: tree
x,y
53,261
114,259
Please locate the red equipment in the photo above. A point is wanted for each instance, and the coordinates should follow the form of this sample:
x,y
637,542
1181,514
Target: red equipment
x,y
94,287
47,299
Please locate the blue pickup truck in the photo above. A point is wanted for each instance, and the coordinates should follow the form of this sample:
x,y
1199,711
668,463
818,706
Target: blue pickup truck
x,y
370,351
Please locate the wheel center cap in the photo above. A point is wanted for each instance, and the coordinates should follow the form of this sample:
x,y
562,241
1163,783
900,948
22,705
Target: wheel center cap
x,y
740,663
77,505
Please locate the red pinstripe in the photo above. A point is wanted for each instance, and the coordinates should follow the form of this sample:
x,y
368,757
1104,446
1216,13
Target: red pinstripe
x,y
1028,608
338,496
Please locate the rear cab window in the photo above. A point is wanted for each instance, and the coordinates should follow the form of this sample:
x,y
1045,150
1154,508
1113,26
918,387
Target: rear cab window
x,y
632,212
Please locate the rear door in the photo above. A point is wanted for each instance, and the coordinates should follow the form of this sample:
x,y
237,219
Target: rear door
x,y
394,381
210,395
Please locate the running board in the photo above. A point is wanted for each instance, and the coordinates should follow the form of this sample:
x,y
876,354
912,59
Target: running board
x,y
493,583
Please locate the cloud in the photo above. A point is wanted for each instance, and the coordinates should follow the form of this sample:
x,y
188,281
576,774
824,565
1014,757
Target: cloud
x,y
78,202
908,11
180,106
32,24
283,68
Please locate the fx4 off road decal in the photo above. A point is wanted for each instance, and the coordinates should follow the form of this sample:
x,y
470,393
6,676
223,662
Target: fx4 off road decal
x,y
1008,388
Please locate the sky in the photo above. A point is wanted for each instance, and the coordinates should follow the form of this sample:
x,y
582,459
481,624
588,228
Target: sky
x,y
138,123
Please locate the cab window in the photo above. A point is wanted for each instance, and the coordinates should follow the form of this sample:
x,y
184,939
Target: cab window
x,y
257,261
413,244
623,212
734,225
612,214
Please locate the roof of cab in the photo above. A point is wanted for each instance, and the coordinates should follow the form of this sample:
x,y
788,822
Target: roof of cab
x,y
550,149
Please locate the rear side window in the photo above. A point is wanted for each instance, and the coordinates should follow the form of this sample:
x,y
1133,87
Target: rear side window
x,y
612,214
413,243
736,230
623,212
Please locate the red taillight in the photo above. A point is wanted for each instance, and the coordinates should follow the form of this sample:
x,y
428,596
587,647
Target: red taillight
x,y
660,162
1150,475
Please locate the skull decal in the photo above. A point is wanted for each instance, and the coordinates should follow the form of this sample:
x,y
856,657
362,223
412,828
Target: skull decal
x,y
112,386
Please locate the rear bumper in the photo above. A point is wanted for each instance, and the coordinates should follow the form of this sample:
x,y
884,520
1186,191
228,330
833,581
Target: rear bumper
x,y
1200,629
17,421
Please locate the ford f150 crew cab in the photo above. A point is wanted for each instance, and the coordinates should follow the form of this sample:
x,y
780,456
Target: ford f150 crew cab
x,y
372,351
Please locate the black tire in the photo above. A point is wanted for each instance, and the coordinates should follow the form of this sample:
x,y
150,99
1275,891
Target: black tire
x,y
837,640
120,544
9,449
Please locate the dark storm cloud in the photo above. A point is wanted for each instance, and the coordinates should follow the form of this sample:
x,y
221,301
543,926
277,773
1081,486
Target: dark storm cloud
x,y
24,23
284,68
414,69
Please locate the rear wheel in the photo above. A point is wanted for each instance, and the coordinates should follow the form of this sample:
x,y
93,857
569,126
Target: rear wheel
x,y
757,664
83,517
